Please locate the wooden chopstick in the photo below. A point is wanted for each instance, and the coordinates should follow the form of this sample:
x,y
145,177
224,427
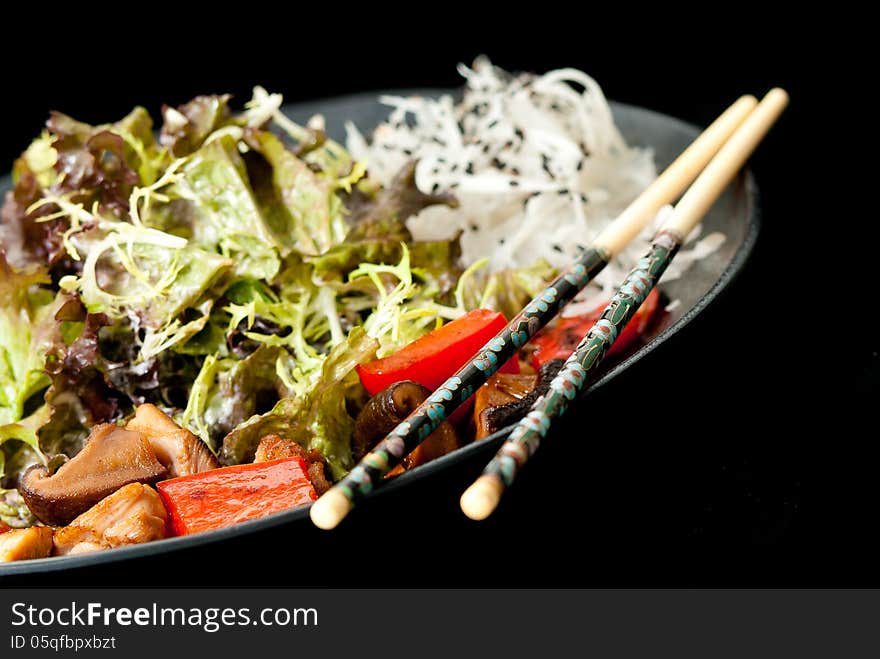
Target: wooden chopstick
x,y
335,504
483,496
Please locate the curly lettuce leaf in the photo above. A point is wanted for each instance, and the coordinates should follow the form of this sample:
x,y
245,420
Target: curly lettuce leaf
x,y
507,290
378,227
228,391
86,165
104,163
317,419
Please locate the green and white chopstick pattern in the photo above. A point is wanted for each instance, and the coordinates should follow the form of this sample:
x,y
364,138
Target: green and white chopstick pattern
x,y
527,436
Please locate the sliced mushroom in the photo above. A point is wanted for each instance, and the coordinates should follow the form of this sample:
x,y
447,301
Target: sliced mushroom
x,y
131,515
23,544
274,447
506,398
111,458
388,408
180,451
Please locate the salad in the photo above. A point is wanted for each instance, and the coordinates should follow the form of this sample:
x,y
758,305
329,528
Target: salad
x,y
236,308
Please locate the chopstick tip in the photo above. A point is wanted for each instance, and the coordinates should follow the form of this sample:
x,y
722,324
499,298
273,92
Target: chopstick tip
x,y
482,497
330,509
778,95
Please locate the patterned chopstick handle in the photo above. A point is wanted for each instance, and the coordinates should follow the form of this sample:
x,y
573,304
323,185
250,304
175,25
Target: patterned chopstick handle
x,y
457,389
526,437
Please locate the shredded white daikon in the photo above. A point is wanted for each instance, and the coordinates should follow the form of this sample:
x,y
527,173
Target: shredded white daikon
x,y
536,162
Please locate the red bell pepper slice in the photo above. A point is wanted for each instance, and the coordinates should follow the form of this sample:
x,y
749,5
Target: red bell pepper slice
x,y
432,358
4,528
223,497
560,340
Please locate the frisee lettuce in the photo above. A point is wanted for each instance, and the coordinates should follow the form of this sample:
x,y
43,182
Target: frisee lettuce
x,y
221,273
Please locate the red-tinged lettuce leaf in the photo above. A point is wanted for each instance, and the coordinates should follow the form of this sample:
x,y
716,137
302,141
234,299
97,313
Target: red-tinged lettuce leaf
x,y
79,382
95,164
83,164
28,240
96,377
185,128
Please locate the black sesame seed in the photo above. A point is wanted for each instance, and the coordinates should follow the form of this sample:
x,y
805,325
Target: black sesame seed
x,y
441,159
514,171
470,168
435,187
474,227
563,191
486,148
498,164
518,132
557,248
492,124
513,183
580,164
407,152
453,185
584,198
437,140
388,147
436,170
501,241
454,167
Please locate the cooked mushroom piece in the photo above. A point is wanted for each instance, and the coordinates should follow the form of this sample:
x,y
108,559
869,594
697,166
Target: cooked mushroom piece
x,y
180,451
388,408
111,458
273,447
506,398
23,544
129,516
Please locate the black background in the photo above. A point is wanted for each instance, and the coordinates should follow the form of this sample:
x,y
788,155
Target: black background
x,y
738,454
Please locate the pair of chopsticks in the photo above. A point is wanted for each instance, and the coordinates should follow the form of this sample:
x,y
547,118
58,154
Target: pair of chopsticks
x,y
719,152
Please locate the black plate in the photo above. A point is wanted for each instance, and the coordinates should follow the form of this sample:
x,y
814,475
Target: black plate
x,y
736,214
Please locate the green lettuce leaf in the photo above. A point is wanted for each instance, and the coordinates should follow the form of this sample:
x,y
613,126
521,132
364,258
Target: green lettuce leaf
x,y
229,391
20,447
377,220
319,418
222,211
309,219
26,323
